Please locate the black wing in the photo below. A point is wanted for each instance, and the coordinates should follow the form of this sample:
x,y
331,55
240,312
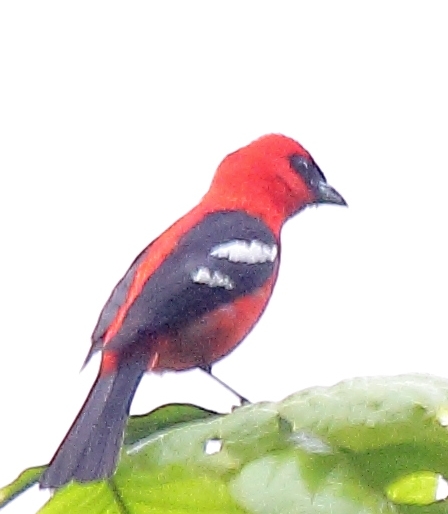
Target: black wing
x,y
227,255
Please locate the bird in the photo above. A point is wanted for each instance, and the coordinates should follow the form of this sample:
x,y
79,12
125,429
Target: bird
x,y
192,295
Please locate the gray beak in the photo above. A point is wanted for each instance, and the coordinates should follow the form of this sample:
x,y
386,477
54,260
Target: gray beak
x,y
327,194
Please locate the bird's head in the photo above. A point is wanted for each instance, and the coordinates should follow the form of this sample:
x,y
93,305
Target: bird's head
x,y
275,177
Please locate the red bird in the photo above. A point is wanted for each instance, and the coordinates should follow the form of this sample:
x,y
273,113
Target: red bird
x,y
192,295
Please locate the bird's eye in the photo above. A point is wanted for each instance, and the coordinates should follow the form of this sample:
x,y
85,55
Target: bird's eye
x,y
307,169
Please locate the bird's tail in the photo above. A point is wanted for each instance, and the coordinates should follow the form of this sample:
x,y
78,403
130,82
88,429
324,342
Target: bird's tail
x,y
90,449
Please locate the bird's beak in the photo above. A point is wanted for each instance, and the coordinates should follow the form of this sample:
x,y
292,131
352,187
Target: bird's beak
x,y
327,194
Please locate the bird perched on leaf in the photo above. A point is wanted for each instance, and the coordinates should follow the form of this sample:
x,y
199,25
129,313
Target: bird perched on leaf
x,y
192,295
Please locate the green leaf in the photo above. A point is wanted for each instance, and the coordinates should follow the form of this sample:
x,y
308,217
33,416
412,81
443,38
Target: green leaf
x,y
419,488
22,483
161,418
367,445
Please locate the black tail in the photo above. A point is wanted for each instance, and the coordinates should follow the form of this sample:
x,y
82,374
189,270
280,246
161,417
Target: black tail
x,y
90,449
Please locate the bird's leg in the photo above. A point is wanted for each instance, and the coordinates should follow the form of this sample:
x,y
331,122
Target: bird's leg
x,y
208,369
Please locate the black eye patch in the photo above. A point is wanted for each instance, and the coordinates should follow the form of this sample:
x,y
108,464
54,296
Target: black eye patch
x,y
307,169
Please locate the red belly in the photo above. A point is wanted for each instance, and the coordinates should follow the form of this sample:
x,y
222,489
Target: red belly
x,y
211,337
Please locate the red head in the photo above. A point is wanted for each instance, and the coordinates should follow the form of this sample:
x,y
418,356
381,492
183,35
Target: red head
x,y
273,177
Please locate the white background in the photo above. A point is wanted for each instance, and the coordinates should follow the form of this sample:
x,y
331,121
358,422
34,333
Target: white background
x,y
113,118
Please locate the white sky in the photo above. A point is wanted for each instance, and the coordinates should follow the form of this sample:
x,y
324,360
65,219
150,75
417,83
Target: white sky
x,y
113,118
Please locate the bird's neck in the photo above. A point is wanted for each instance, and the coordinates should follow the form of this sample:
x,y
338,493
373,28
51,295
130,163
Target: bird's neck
x,y
255,201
